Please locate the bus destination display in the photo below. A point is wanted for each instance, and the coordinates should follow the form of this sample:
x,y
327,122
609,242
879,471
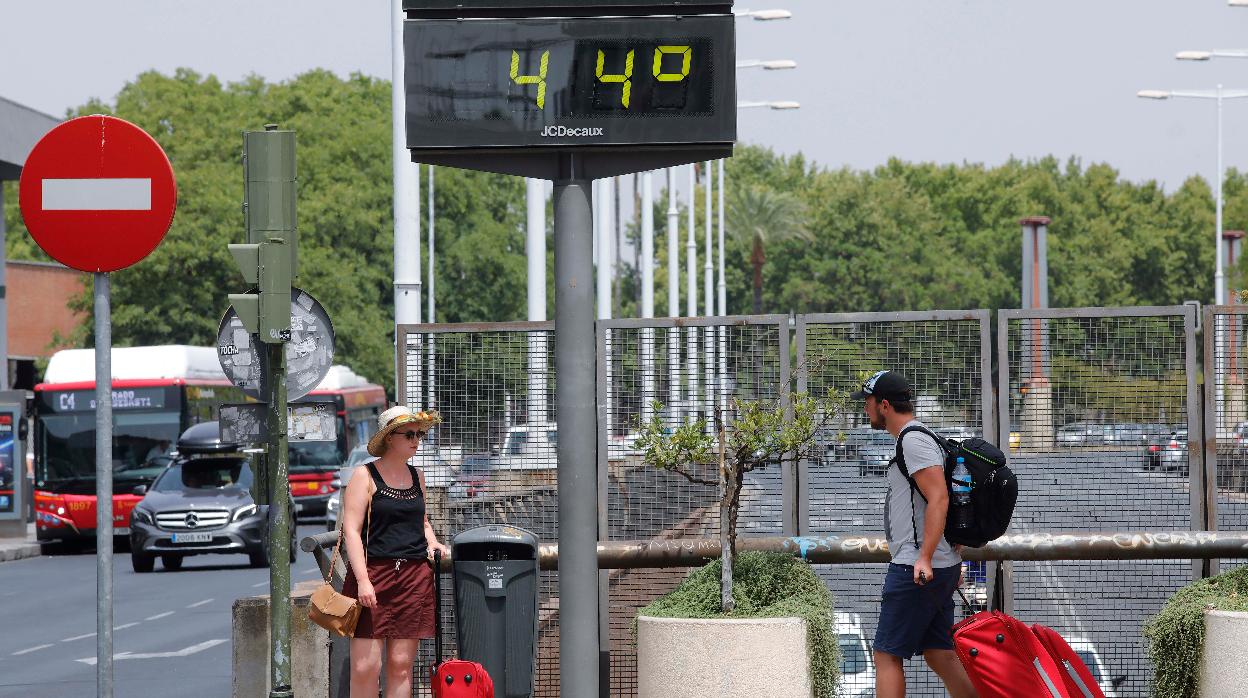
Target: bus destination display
x,y
570,82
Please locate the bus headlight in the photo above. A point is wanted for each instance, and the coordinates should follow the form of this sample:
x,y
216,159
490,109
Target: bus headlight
x,y
243,512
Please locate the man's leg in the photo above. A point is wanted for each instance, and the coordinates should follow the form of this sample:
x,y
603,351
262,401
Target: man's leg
x,y
950,670
890,678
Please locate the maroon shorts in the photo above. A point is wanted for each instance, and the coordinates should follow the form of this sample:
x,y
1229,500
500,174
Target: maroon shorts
x,y
404,609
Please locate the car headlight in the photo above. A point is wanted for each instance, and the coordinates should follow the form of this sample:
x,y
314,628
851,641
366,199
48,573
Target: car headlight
x,y
243,512
142,516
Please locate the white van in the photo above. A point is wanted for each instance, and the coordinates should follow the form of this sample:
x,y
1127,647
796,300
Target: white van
x,y
530,446
857,666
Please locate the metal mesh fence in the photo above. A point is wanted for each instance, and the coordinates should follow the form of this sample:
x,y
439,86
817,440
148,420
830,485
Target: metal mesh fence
x,y
689,368
1226,416
492,461
1096,403
943,355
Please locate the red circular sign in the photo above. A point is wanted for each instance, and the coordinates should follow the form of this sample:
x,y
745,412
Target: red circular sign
x,y
97,193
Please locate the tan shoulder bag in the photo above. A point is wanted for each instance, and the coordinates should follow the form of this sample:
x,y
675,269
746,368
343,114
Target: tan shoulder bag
x,y
328,608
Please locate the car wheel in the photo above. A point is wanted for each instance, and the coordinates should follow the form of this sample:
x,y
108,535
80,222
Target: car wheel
x,y
260,558
173,563
142,563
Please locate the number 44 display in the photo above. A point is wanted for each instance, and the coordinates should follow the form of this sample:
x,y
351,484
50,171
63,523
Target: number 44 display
x,y
682,56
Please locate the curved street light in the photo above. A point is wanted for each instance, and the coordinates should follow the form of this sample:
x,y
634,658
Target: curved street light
x,y
767,65
763,15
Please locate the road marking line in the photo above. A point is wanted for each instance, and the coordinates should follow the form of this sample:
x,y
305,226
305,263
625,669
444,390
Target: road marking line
x,y
31,649
78,637
123,627
158,616
201,603
261,584
184,652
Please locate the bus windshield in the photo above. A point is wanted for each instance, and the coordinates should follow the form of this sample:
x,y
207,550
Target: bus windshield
x,y
319,456
141,444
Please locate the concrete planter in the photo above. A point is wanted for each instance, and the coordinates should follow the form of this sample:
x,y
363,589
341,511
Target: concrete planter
x,y
722,658
1224,661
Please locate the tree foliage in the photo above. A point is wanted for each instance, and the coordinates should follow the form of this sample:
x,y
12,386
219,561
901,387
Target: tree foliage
x,y
345,219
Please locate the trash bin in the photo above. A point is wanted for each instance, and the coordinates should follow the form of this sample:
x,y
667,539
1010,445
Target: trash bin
x,y
495,577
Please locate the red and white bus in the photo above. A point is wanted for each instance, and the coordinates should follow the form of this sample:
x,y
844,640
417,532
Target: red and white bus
x,y
159,392
314,464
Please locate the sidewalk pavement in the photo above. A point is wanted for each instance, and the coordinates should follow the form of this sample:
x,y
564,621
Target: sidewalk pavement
x,y
20,548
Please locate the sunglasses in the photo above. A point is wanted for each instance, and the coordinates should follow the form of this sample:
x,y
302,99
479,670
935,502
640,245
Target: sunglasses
x,y
410,435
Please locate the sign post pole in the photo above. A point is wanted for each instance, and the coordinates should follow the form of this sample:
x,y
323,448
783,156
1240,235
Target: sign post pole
x,y
98,194
103,487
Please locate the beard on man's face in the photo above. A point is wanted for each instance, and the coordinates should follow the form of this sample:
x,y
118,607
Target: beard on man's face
x,y
875,416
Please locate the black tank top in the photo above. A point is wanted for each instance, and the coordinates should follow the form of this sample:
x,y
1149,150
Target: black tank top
x,y
397,526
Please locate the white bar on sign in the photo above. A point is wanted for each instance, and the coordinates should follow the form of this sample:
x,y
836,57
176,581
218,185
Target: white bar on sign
x,y
101,194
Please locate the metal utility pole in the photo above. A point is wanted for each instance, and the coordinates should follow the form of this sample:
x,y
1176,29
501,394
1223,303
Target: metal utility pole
x,y
673,297
723,296
646,262
708,285
577,410
691,285
406,194
270,261
431,401
535,251
4,315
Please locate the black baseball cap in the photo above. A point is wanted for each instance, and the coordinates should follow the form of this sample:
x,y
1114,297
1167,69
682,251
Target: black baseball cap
x,y
885,385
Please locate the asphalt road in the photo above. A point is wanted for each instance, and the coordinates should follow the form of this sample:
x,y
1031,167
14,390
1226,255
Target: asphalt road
x,y
171,629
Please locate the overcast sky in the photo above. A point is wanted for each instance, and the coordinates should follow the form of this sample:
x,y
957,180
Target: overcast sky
x,y
938,80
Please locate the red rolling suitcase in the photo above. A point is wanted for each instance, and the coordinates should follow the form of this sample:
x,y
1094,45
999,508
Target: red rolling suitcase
x,y
1079,681
454,678
1004,659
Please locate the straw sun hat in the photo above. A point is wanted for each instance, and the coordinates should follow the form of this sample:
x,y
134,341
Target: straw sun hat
x,y
396,417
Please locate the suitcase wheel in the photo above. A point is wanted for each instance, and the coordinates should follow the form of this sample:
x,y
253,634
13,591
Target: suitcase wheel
x,y
974,652
1000,639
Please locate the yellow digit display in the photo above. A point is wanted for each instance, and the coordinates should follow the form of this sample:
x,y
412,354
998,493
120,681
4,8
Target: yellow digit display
x,y
626,78
539,79
686,53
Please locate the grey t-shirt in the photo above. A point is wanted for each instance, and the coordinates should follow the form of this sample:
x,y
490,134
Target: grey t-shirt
x,y
921,451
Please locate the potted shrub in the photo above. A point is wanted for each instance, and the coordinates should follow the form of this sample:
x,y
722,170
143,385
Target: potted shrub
x,y
750,625
1198,641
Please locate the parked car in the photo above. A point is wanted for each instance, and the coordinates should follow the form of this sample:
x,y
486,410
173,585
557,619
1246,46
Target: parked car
x,y
857,666
1167,453
1092,659
1078,434
473,479
333,507
619,447
1125,434
201,504
959,433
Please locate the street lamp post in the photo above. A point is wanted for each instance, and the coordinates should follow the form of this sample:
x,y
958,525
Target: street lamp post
x,y
1218,95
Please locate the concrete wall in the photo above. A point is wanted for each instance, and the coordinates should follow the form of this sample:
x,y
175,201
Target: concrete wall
x,y
722,658
1224,662
309,647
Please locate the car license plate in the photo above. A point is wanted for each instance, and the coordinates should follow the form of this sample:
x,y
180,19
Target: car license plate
x,y
192,537
121,531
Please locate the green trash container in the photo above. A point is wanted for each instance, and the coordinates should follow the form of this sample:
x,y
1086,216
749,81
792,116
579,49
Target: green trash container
x,y
495,577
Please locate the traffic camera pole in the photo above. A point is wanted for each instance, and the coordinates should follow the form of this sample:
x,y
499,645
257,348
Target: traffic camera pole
x,y
103,487
576,412
269,260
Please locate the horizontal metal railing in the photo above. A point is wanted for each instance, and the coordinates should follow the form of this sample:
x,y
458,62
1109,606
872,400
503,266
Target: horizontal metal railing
x,y
693,552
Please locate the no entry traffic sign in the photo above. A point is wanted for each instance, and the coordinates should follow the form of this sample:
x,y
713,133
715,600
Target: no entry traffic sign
x,y
97,193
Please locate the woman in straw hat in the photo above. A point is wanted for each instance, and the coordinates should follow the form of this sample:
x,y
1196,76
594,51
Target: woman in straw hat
x,y
389,544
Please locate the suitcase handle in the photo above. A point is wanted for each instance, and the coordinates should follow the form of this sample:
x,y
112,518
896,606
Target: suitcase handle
x,y
437,608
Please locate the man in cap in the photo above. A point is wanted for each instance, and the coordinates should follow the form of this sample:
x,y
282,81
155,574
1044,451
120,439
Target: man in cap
x,y
916,613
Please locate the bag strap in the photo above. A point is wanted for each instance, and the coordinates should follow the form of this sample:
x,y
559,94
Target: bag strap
x,y
342,520
900,461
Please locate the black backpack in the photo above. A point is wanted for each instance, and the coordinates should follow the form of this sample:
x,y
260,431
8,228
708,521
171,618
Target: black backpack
x,y
994,489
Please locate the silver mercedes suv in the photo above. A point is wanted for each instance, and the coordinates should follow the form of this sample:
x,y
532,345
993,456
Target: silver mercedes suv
x,y
201,504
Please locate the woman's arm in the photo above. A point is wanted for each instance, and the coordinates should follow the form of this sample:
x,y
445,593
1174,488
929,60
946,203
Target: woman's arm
x,y
354,507
431,538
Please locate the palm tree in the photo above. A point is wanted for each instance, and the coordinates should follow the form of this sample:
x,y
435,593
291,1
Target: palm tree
x,y
759,215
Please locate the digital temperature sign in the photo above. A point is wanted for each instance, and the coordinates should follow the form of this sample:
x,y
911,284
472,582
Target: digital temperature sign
x,y
603,82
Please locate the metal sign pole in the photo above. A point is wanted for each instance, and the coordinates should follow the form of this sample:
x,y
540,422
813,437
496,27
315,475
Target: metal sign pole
x,y
279,524
576,414
103,489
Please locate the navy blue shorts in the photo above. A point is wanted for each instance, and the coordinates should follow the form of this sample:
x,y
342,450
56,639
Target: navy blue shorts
x,y
915,618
